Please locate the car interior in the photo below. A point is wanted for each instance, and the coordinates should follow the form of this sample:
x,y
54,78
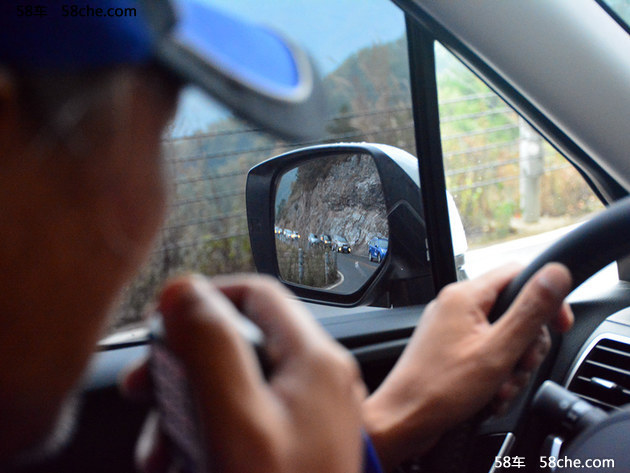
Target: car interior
x,y
559,70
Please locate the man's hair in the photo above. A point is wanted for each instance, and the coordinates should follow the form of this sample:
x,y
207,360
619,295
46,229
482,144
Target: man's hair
x,y
59,107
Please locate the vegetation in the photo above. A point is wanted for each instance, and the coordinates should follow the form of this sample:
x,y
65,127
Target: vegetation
x,y
315,266
481,146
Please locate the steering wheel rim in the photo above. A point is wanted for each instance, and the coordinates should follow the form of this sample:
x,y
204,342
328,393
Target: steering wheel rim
x,y
584,251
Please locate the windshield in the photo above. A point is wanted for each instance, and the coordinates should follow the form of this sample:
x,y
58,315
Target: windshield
x,y
382,243
618,9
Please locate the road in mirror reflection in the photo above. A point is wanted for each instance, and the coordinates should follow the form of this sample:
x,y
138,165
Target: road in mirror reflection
x,y
331,223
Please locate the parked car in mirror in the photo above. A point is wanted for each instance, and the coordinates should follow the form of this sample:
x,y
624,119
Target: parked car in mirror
x,y
313,240
377,249
340,244
326,240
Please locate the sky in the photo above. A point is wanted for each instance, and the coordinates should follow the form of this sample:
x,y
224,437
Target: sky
x,y
330,30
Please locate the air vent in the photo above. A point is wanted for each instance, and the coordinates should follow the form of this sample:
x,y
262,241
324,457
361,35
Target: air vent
x,y
603,377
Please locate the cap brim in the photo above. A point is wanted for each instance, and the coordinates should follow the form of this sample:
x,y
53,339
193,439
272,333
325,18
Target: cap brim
x,y
258,74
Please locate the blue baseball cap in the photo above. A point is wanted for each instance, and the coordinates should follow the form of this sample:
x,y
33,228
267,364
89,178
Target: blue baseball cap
x,y
252,69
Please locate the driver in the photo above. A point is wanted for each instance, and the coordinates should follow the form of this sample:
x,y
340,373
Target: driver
x,y
83,191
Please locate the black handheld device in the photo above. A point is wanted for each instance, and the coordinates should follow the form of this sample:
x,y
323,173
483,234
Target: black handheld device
x,y
173,396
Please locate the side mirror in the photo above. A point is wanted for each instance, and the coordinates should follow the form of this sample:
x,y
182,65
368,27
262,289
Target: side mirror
x,y
341,224
327,211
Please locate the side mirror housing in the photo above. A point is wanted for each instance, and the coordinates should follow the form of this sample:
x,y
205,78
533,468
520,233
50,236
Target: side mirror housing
x,y
317,191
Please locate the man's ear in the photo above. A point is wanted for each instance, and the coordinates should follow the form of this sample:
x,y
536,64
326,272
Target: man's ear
x,y
9,110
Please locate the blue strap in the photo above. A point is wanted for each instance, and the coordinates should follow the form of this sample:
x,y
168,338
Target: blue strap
x,y
371,463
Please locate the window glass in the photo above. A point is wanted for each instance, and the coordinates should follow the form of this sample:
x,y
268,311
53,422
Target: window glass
x,y
516,195
362,57
621,8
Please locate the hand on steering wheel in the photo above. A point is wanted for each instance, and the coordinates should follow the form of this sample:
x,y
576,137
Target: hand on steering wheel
x,y
457,362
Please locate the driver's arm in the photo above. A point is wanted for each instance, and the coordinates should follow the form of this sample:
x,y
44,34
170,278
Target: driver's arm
x,y
456,362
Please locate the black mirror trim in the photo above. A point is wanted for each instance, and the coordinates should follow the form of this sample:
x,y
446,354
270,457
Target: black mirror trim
x,y
404,270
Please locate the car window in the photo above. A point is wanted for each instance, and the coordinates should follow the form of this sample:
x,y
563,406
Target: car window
x,y
362,58
515,193
620,9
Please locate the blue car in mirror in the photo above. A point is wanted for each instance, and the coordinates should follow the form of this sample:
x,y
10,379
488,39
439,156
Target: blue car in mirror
x,y
377,249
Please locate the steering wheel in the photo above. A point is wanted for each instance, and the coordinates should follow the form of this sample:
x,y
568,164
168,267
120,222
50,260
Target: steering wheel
x,y
584,251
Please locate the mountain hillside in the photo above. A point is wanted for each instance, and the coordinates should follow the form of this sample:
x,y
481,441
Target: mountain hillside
x,y
336,196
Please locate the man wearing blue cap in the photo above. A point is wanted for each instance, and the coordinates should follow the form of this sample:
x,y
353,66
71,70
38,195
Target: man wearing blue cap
x,y
83,103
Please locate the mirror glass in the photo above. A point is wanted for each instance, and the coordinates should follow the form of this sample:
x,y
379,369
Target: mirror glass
x,y
331,223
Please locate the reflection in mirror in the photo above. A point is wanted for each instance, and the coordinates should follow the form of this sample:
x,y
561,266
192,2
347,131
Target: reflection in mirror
x,y
331,223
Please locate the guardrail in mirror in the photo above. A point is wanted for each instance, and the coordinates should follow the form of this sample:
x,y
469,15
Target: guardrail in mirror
x,y
331,227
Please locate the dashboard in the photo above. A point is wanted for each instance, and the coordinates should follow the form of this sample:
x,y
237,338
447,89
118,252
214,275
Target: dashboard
x,y
592,361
